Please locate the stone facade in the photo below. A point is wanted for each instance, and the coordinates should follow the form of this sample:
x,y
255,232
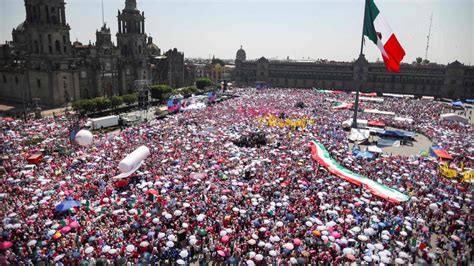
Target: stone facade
x,y
40,61
454,80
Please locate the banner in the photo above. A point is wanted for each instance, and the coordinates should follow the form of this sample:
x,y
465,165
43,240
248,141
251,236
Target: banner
x,y
447,172
212,96
321,155
273,121
174,105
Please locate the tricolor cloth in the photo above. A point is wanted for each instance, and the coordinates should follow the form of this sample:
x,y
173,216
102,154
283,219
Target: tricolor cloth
x,y
378,31
321,155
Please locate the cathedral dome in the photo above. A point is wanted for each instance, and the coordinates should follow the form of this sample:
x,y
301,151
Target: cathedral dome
x,y
152,48
241,55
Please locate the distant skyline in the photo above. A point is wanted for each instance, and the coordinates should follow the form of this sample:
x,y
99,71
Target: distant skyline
x,y
277,29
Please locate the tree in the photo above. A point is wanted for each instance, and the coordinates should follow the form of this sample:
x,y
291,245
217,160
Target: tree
x,y
202,83
116,101
419,60
130,98
102,103
89,105
159,91
426,61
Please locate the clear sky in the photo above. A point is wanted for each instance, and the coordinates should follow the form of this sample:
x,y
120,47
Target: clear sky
x,y
328,29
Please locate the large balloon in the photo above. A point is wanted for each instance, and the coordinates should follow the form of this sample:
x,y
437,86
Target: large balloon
x,y
84,137
133,161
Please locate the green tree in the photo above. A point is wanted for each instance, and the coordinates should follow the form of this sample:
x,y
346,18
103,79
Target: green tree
x,y
130,98
160,91
78,106
419,60
102,103
202,83
116,101
89,105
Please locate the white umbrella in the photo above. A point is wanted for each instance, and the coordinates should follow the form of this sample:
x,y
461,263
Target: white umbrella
x,y
289,246
379,246
368,258
59,257
106,249
184,253
31,243
362,237
89,250
273,253
259,257
403,254
130,248
180,262
399,261
250,263
144,244
170,244
112,251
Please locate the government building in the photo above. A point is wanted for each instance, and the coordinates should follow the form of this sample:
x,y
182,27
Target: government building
x,y
454,80
41,62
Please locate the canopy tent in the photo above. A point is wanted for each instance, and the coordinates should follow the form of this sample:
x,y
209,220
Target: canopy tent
x,y
365,154
376,111
403,119
457,104
398,95
381,142
367,94
359,135
321,155
454,117
66,205
360,123
374,149
397,134
470,100
371,99
376,123
440,154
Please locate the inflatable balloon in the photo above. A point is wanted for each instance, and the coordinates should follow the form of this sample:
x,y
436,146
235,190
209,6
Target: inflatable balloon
x,y
133,161
84,137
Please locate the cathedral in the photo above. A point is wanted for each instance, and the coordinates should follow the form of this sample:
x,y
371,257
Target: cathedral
x,y
41,63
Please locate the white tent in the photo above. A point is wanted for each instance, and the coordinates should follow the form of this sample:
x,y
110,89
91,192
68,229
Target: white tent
x,y
371,99
374,149
454,117
403,119
360,123
358,135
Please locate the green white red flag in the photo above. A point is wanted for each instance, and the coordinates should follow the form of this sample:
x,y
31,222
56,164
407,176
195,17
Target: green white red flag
x,y
379,32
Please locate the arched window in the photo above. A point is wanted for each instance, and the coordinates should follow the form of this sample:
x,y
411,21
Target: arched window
x,y
58,46
139,49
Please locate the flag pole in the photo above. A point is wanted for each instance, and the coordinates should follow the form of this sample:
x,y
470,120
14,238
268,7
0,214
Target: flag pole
x,y
359,76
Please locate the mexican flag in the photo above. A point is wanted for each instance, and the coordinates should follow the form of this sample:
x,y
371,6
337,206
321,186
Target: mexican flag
x,y
378,31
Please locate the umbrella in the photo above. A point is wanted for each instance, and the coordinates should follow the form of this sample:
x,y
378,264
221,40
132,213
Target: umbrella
x,y
130,248
59,257
250,263
65,229
105,249
259,257
225,239
456,238
31,243
180,262
170,244
221,253
74,224
144,244
362,237
89,250
66,205
6,245
184,253
399,261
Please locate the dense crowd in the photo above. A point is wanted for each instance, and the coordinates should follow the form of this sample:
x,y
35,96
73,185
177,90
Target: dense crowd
x,y
200,198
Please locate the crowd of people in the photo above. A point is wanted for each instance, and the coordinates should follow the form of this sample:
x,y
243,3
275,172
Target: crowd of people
x,y
200,198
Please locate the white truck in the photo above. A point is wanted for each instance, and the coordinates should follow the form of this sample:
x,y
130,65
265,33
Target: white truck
x,y
103,122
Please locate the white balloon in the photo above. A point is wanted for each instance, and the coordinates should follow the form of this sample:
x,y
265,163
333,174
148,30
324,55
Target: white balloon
x,y
84,138
134,159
